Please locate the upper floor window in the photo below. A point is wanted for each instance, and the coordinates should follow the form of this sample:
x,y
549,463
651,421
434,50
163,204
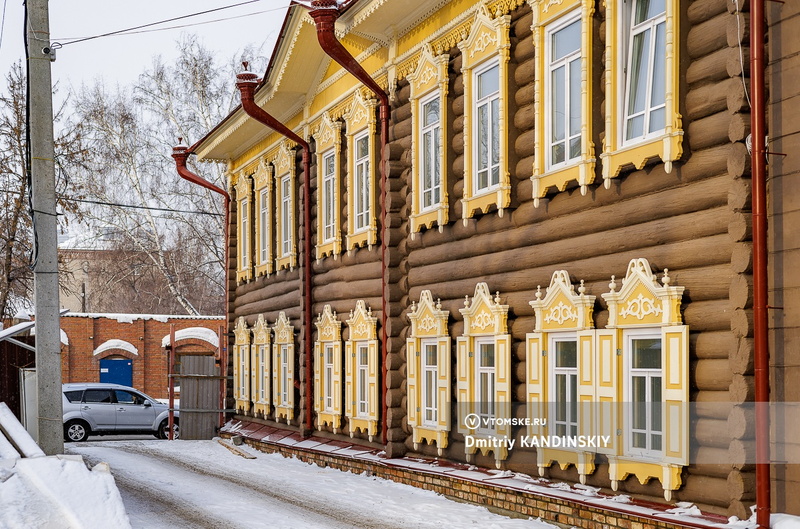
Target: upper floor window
x,y
328,193
645,91
361,187
263,201
429,85
286,216
564,94
263,217
328,135
485,57
244,195
244,216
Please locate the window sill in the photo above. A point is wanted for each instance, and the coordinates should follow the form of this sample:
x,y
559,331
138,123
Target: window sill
x,y
497,196
437,215
666,147
581,171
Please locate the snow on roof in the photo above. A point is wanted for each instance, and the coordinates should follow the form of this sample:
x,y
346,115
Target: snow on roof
x,y
130,318
116,344
16,329
62,336
200,333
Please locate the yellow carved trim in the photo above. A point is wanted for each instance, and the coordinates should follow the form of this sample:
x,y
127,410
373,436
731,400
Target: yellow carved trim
x,y
642,301
329,141
562,309
244,194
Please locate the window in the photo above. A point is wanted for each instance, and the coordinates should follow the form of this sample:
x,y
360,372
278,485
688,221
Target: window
x,y
564,94
645,394
328,192
126,397
263,207
244,192
244,213
645,91
642,121
487,128
428,366
485,56
262,356
361,190
74,396
361,186
241,366
429,86
260,372
264,231
565,387
286,216
483,365
328,370
97,396
283,369
361,375
430,377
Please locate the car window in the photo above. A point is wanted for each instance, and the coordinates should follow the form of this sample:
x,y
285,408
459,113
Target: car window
x,y
126,397
97,395
74,395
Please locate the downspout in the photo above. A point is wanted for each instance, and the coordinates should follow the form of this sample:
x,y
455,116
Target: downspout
x,y
247,82
325,13
760,283
180,153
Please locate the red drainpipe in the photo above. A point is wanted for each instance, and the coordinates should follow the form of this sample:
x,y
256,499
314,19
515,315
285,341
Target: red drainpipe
x,y
180,153
760,283
325,13
247,82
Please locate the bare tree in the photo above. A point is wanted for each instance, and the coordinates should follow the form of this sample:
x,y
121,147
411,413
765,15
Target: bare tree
x,y
16,230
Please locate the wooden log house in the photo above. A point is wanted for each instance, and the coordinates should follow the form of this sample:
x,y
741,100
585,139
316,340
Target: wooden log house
x,y
564,220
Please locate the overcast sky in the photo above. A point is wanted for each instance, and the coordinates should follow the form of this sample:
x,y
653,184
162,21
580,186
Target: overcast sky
x,y
121,58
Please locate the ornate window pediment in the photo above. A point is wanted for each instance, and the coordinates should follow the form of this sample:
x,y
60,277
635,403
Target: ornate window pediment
x,y
429,83
485,56
484,315
328,369
642,301
561,308
362,227
428,373
361,372
328,136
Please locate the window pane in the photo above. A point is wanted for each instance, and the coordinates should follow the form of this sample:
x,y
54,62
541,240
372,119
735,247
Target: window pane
x,y
487,355
430,113
561,397
575,97
638,404
495,133
640,62
430,355
489,82
483,137
362,147
566,40
647,9
566,354
657,405
646,353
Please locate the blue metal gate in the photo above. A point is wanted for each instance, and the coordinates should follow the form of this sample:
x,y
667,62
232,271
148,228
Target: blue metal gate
x,y
117,371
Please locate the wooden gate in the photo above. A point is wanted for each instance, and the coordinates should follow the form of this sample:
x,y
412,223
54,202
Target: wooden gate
x,y
200,406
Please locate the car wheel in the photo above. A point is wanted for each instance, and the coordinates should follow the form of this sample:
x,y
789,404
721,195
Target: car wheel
x,y
76,431
163,430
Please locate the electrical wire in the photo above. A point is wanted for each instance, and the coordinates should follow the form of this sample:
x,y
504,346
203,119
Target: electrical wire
x,y
741,52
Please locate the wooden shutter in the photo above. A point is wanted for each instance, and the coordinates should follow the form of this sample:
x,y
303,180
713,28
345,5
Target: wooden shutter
x,y
349,383
608,387
413,385
372,380
502,386
536,366
319,366
443,383
464,381
675,362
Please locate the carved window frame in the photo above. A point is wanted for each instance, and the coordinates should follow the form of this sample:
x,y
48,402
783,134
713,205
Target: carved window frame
x,y
360,119
328,138
362,332
428,326
561,313
548,17
260,372
241,366
329,333
283,350
429,81
485,319
487,42
667,145
244,225
642,305
285,169
263,192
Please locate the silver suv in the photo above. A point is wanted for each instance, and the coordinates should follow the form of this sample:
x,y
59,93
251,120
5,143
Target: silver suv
x,y
100,408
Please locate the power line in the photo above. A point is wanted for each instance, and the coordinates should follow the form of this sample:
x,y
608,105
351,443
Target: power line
x,y
142,26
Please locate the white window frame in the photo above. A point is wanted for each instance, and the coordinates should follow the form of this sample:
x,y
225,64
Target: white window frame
x,y
361,185
286,215
328,374
244,353
362,379
565,62
428,382
263,197
430,133
485,409
628,12
244,256
629,336
284,373
487,100
570,422
328,199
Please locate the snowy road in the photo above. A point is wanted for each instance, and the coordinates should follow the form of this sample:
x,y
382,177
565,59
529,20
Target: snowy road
x,y
195,484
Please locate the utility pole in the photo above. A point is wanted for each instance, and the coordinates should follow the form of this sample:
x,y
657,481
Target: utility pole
x,y
45,268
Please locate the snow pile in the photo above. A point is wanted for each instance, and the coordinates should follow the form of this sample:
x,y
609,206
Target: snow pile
x,y
59,492
776,521
13,430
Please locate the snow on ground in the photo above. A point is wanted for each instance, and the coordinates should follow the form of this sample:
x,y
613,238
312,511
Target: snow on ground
x,y
202,484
